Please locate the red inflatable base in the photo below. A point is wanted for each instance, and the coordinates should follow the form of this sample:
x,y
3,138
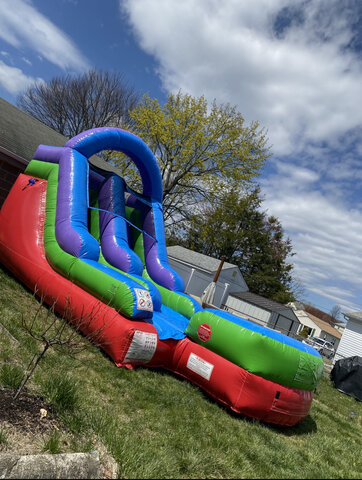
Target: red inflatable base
x,y
239,390
129,342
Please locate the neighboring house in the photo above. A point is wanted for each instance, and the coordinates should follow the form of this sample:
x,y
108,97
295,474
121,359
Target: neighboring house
x,y
351,341
333,322
198,271
263,311
20,135
340,325
305,321
325,331
315,326
232,293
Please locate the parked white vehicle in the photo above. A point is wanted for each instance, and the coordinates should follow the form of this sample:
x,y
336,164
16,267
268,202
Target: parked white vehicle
x,y
322,346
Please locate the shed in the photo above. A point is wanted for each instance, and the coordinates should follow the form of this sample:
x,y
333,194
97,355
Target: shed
x,y
350,344
198,271
263,311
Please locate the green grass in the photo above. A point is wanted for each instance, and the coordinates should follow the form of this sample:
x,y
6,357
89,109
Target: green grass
x,y
52,443
61,390
3,439
11,375
157,425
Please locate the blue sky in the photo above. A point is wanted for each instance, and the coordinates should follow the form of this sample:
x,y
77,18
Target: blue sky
x,y
293,65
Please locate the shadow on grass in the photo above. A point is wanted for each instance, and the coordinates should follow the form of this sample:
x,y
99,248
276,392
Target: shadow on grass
x,y
305,427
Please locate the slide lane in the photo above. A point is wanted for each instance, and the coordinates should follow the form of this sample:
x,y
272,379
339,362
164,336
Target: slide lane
x,y
22,220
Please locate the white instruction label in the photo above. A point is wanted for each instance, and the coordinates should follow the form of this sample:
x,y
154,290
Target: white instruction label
x,y
200,366
144,300
142,348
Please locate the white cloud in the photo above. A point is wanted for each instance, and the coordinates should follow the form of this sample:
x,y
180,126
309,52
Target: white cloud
x,y
22,25
14,80
338,297
298,86
326,234
26,60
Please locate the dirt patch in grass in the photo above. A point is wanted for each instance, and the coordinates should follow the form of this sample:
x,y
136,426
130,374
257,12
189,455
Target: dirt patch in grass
x,y
26,412
24,428
23,423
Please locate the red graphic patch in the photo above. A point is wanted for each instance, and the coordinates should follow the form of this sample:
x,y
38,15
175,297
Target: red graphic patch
x,y
204,332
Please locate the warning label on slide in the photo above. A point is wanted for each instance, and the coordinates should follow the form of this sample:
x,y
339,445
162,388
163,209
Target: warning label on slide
x,y
200,366
204,332
142,348
144,300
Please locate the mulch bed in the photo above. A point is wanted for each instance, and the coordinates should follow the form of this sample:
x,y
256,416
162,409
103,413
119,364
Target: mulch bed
x,y
24,412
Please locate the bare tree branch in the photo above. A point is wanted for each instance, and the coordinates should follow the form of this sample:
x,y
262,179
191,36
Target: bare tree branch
x,y
71,104
67,333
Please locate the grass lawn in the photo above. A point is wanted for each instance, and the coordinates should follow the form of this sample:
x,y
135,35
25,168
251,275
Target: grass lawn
x,y
156,425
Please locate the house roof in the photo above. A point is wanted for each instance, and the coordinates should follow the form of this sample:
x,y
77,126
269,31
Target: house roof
x,y
262,302
21,134
325,326
320,314
354,315
195,259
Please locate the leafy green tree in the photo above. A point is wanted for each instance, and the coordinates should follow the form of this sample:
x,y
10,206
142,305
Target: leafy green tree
x,y
237,228
272,277
198,148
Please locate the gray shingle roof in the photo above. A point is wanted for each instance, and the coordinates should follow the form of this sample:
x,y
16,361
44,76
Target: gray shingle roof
x,y
354,315
21,134
196,259
262,302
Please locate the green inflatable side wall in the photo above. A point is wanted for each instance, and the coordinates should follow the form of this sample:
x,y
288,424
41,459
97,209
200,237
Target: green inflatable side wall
x,y
99,284
256,353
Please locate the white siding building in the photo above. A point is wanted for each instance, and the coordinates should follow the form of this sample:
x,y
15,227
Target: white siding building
x,y
305,320
351,341
198,271
232,293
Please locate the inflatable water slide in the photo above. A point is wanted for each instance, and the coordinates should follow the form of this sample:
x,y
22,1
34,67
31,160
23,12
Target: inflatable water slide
x,y
94,248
